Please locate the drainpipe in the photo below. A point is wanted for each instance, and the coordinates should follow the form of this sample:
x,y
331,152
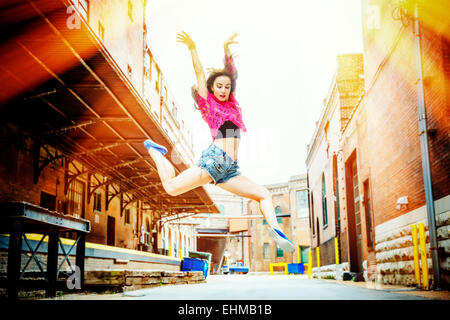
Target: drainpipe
x,y
425,154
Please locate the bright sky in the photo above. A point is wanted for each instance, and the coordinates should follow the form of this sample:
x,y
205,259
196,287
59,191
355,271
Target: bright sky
x,y
286,59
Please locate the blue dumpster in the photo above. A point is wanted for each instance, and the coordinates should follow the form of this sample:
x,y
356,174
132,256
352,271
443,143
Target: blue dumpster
x,y
193,264
296,268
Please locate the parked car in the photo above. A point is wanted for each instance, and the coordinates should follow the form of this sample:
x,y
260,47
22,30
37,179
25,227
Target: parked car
x,y
236,267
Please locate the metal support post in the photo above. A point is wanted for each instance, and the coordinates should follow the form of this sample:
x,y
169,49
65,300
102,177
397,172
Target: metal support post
x,y
52,262
14,260
81,253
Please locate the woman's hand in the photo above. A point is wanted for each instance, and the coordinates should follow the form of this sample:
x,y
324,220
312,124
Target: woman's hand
x,y
229,41
183,37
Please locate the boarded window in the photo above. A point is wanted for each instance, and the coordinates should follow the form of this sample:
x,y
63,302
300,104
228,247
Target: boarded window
x,y
266,251
302,204
127,216
324,202
75,198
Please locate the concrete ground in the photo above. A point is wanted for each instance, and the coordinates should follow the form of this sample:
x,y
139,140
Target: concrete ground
x,y
269,287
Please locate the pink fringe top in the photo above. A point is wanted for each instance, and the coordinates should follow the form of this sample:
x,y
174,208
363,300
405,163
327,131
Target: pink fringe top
x,y
216,112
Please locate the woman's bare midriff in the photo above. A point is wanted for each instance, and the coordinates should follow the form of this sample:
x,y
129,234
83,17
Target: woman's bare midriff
x,y
229,145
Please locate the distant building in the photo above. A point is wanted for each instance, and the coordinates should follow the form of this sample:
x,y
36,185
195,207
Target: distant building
x,y
290,201
220,234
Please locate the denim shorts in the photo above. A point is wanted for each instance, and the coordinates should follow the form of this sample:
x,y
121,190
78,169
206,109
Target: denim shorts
x,y
219,165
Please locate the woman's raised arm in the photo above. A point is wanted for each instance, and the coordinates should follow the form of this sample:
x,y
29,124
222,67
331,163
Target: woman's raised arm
x,y
183,37
229,61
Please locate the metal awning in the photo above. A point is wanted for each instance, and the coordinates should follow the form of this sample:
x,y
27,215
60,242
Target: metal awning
x,y
61,87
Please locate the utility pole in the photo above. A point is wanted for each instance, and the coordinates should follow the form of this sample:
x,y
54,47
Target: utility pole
x,y
425,153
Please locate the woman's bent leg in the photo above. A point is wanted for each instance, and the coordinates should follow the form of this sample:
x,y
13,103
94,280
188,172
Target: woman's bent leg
x,y
165,169
187,180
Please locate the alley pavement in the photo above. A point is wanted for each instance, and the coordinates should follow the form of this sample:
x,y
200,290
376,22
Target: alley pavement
x,y
269,287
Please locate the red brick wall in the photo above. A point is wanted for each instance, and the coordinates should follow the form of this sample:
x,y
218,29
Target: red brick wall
x,y
392,119
436,49
17,184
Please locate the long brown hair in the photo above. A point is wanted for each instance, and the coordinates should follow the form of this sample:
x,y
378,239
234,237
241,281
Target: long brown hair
x,y
213,74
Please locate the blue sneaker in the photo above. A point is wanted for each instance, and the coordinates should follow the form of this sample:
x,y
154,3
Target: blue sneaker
x,y
150,144
282,241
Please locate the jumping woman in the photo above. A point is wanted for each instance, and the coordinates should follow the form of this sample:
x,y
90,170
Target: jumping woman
x,y
218,163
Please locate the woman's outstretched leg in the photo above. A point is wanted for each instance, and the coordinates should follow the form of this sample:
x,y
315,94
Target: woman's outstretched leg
x,y
174,185
244,187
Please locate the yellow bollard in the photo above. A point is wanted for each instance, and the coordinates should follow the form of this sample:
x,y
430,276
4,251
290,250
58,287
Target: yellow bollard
x,y
309,263
318,256
423,256
318,261
416,255
170,251
336,249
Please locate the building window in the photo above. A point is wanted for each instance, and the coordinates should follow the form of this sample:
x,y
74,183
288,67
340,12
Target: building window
x,y
304,254
336,192
147,66
165,94
48,201
101,31
302,203
158,75
174,111
324,203
75,199
357,209
163,237
280,253
327,127
279,220
222,209
312,215
266,251
127,216
98,202
130,10
278,210
130,71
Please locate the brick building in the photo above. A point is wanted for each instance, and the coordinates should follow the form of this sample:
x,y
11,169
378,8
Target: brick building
x,y
290,203
392,93
325,171
379,156
82,92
